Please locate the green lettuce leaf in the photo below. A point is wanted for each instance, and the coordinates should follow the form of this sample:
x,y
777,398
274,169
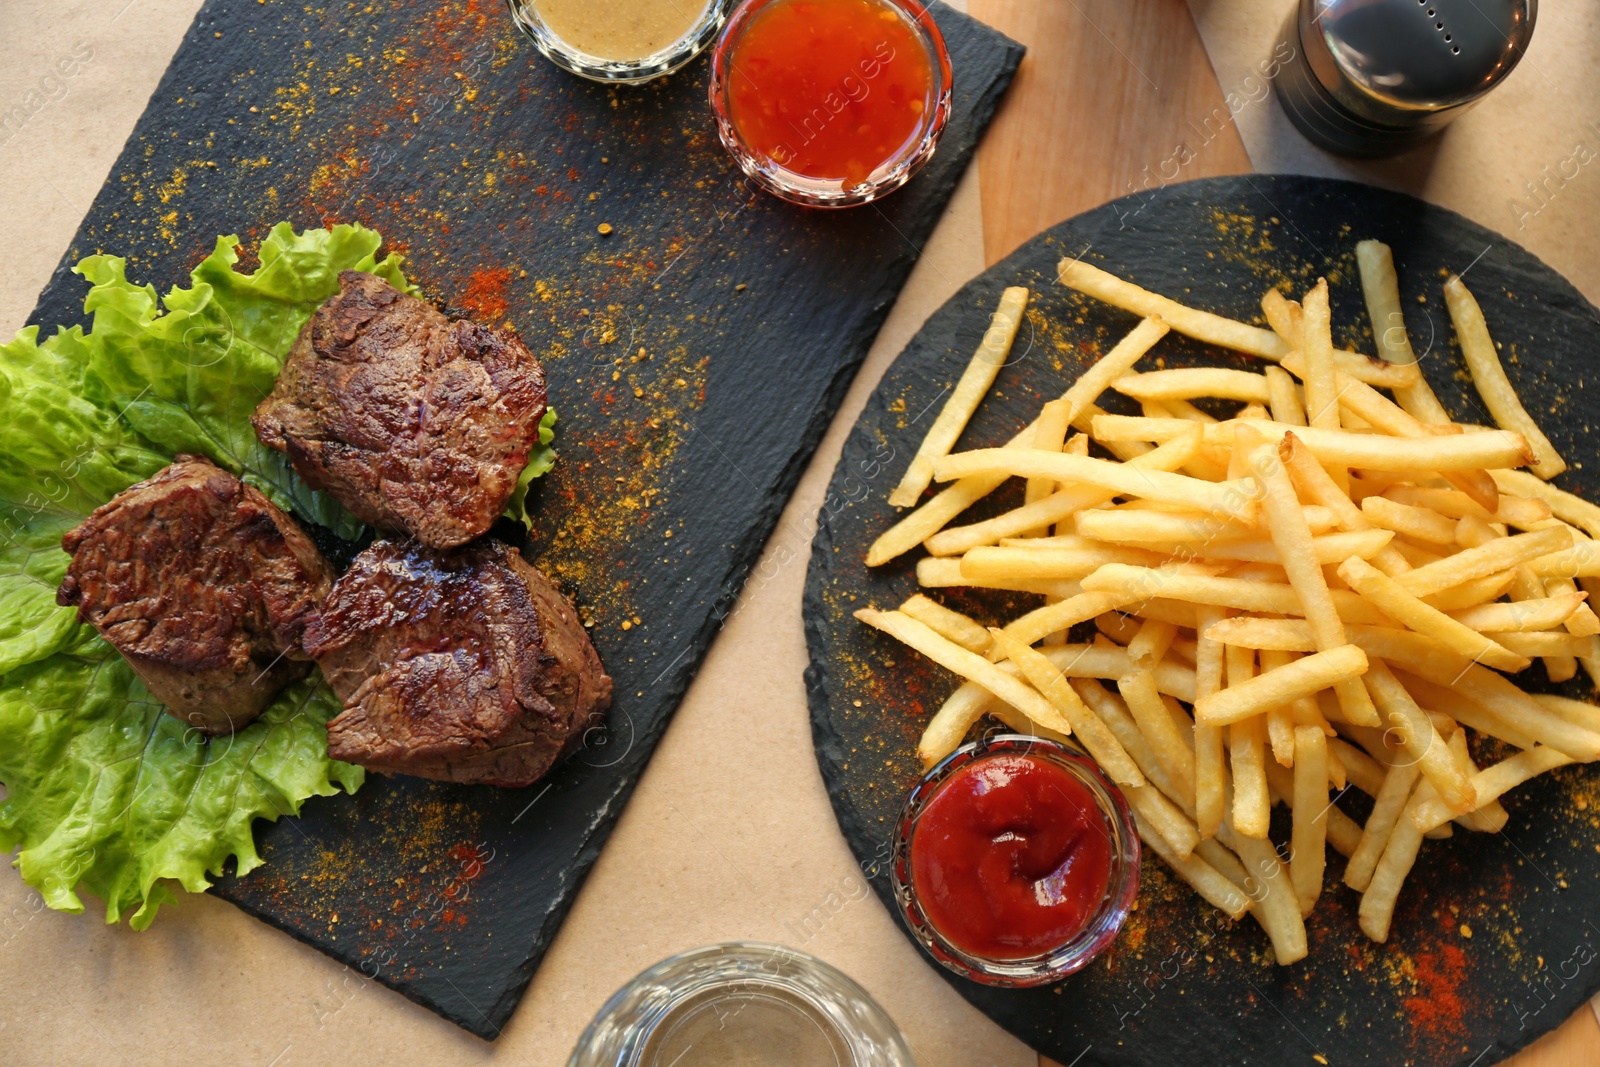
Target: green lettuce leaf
x,y
540,459
109,792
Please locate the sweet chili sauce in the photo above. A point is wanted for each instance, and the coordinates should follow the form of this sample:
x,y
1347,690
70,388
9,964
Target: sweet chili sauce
x,y
830,89
1011,857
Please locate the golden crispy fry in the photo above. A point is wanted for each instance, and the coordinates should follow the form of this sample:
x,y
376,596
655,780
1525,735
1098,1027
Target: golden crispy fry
x,y
1484,560
945,573
1492,782
1390,598
969,391
1382,291
1417,523
1420,739
1322,392
1187,383
1210,767
1247,755
1365,773
1311,806
1093,734
1229,500
1062,615
1050,434
1287,405
970,635
1138,689
1520,511
1533,645
1387,807
949,725
969,665
1524,615
1277,907
1238,593
1490,377
1280,718
1400,852
1568,508
998,563
1215,889
1287,319
1303,677
1375,452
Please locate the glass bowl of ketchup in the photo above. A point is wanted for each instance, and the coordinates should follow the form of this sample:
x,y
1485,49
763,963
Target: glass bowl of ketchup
x,y
831,103
1016,861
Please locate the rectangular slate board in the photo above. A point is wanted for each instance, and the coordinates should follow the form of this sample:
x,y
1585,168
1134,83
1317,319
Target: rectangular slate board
x,y
492,171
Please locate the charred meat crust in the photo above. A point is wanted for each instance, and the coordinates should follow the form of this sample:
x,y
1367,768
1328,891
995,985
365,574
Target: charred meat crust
x,y
415,423
464,666
204,586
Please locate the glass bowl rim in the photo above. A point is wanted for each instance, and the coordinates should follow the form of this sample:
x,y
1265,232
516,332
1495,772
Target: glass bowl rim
x,y
1098,933
574,60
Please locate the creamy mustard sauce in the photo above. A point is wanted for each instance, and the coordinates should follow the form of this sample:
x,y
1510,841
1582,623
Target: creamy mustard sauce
x,y
620,29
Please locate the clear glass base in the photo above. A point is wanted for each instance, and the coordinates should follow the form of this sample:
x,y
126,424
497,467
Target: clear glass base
x,y
741,1003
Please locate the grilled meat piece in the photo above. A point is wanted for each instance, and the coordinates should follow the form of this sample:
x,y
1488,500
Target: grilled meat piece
x,y
415,423
464,666
204,586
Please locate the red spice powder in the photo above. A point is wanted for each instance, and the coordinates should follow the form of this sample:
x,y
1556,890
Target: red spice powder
x,y
486,293
1438,1011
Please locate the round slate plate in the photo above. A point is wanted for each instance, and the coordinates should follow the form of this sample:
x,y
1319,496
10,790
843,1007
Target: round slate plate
x,y
1493,942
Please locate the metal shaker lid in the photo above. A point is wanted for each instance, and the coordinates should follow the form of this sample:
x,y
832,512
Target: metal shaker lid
x,y
1390,59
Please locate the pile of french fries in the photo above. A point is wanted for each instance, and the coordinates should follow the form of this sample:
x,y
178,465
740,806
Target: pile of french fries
x,y
1317,593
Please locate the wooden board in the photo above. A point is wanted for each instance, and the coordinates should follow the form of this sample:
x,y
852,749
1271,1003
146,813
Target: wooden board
x,y
437,124
1113,98
1176,988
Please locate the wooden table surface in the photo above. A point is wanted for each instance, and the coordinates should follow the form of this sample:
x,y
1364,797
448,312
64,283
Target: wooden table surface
x,y
1108,89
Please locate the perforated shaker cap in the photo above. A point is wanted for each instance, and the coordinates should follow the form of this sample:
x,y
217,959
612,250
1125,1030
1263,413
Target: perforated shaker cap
x,y
1402,61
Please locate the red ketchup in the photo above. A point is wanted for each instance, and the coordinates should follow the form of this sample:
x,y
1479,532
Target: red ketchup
x,y
1011,857
830,89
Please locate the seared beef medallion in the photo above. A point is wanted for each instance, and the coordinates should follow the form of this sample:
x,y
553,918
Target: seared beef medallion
x,y
415,423
203,585
464,666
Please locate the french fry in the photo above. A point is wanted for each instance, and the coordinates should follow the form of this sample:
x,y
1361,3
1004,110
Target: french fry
x,y
969,665
1568,508
1062,615
946,573
1050,433
1486,816
1523,615
1365,773
1417,523
1484,560
1247,755
1210,768
1520,511
1375,452
1490,378
1322,394
1280,717
1277,906
949,725
1399,854
969,391
1287,319
1387,807
1382,291
1303,677
1215,889
1019,723
1187,383
1491,783
1224,499
1535,645
1420,739
1329,548
1284,396
967,633
1238,593
989,564
1389,597
1311,806
1093,734
1138,689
